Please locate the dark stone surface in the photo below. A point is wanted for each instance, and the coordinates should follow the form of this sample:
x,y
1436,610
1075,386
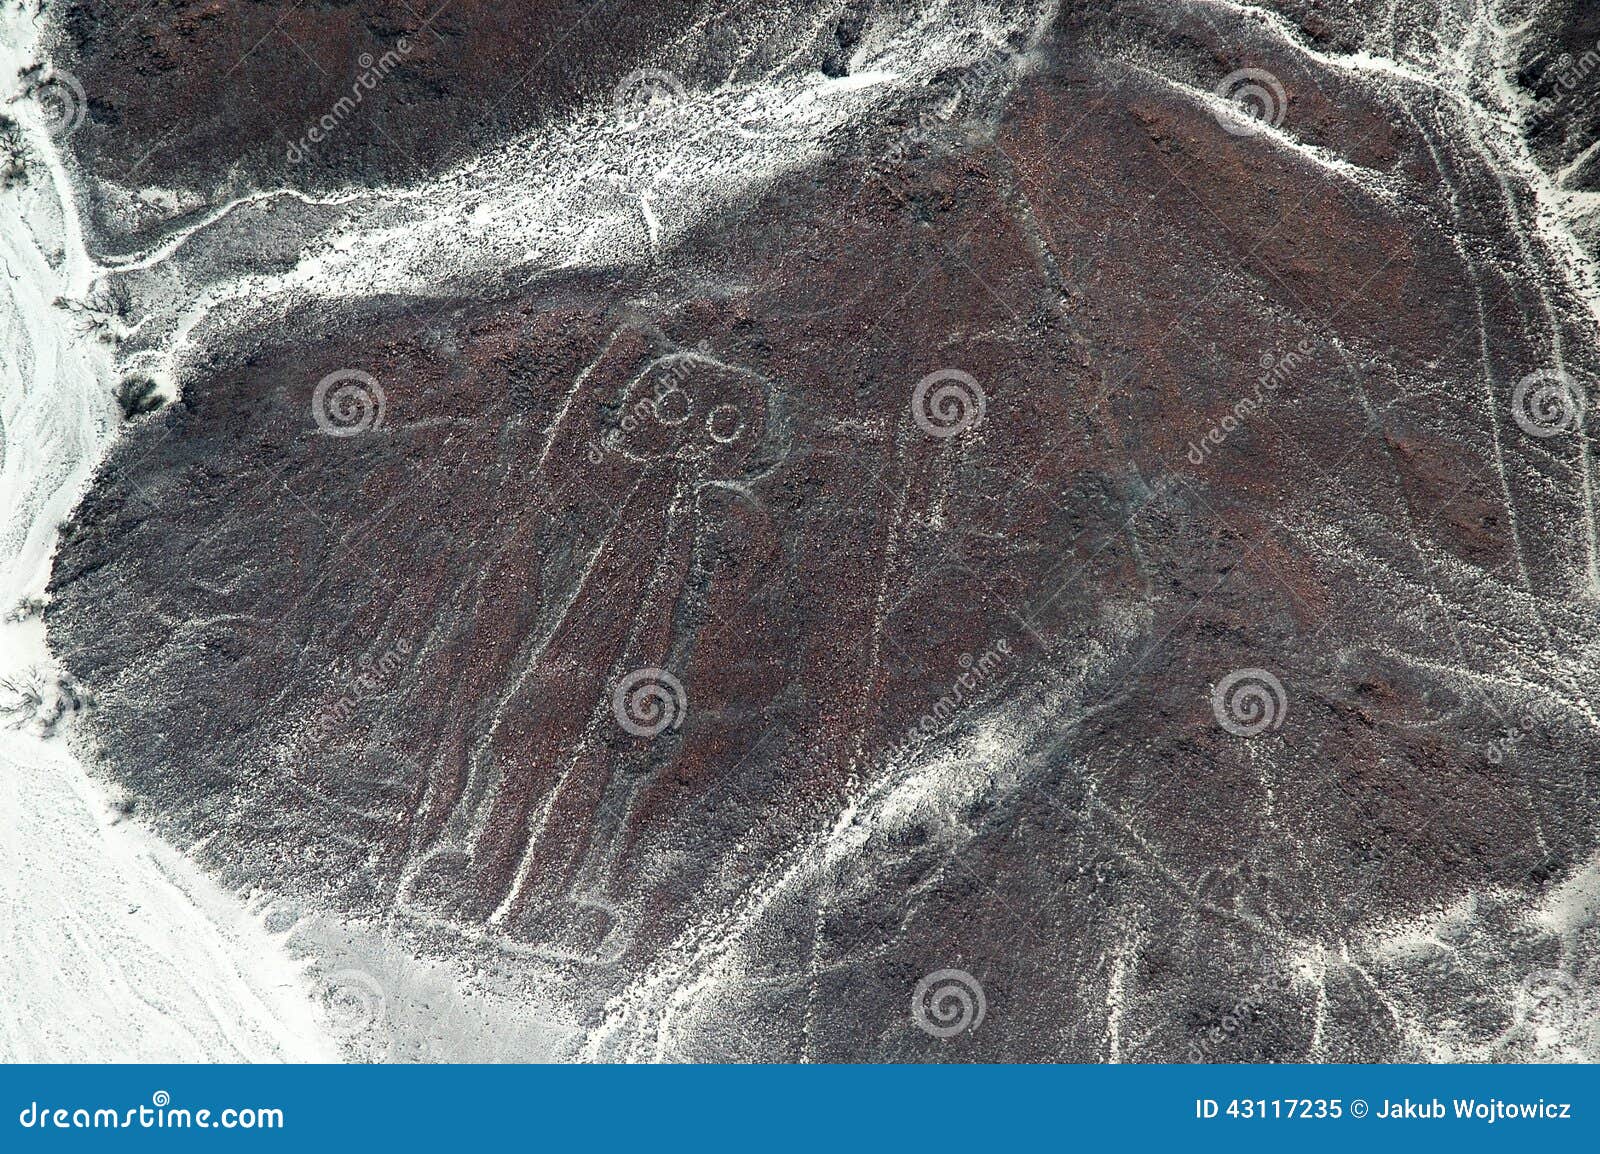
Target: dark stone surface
x,y
1117,870
213,99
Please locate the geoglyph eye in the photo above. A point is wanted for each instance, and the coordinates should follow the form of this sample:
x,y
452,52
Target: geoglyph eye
x,y
690,404
724,423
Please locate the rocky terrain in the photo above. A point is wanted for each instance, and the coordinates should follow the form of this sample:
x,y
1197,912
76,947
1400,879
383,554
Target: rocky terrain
x,y
927,531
